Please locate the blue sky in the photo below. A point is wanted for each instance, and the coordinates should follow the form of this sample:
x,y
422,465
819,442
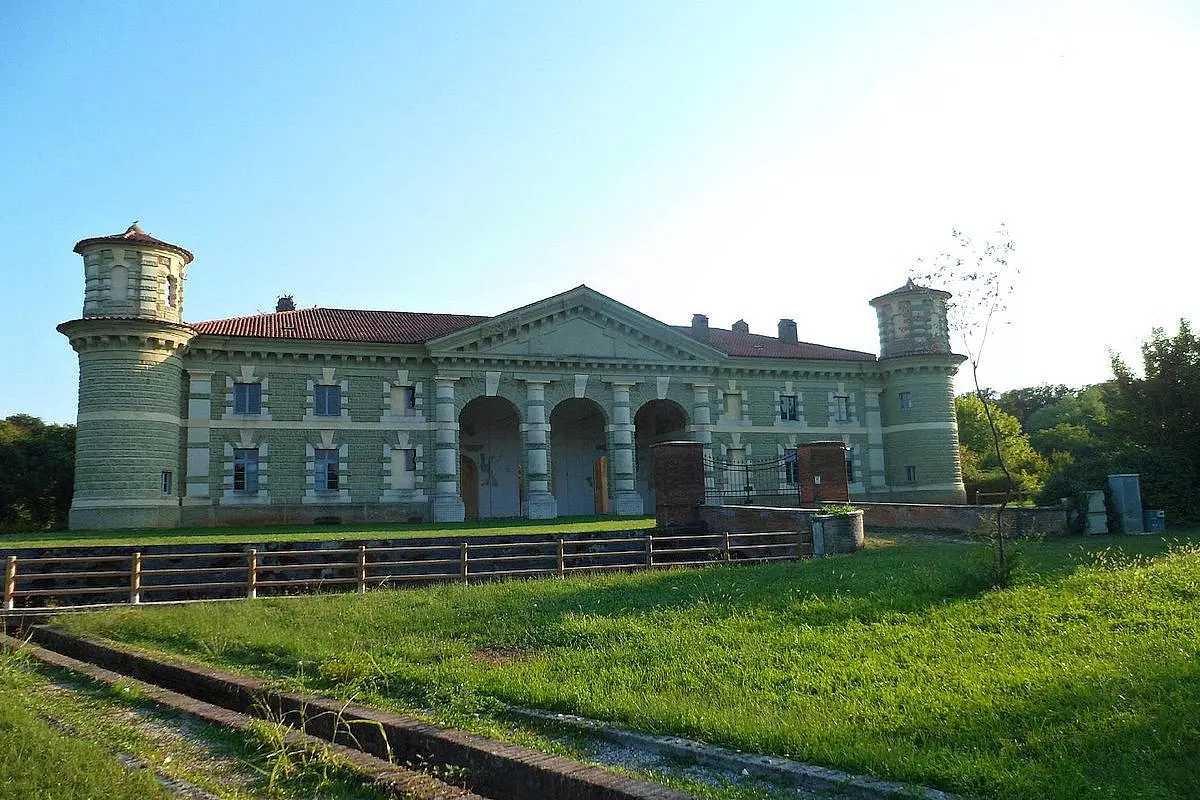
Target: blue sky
x,y
750,160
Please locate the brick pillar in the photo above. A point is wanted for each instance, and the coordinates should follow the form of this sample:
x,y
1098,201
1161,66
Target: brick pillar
x,y
447,502
626,501
822,468
678,483
539,500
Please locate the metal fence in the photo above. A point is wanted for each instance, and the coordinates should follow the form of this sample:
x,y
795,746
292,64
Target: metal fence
x,y
769,481
43,582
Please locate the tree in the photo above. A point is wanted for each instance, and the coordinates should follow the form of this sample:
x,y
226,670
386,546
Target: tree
x,y
1157,419
1022,403
1028,468
37,473
980,280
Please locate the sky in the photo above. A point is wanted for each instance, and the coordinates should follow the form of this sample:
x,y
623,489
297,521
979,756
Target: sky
x,y
742,159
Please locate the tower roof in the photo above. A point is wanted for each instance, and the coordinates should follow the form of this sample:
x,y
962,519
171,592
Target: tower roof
x,y
911,287
132,235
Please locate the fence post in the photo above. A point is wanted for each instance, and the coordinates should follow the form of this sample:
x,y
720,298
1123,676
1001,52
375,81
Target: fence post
x,y
10,583
649,550
252,575
561,565
362,569
726,554
462,562
135,579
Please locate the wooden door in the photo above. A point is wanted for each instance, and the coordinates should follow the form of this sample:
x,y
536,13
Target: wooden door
x,y
600,484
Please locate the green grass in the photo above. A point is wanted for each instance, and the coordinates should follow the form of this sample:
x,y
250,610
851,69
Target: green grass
x,y
307,533
60,735
42,761
1083,680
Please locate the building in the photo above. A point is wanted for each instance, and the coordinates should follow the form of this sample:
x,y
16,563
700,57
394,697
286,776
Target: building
x,y
543,411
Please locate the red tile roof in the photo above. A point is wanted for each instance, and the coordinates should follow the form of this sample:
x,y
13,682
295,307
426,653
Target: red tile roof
x,y
408,327
133,234
755,345
341,325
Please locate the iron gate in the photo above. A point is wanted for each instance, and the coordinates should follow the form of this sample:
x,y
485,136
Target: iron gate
x,y
761,482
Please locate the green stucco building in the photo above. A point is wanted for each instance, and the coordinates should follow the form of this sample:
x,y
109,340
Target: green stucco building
x,y
546,410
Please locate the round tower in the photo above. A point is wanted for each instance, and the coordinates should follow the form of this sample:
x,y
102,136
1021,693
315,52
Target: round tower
x,y
920,429
130,340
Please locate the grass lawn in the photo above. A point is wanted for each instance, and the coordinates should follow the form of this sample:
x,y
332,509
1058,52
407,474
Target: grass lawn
x,y
1082,681
309,533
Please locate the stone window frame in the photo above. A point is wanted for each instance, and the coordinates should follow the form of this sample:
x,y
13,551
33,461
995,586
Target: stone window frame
x,y
789,390
247,375
240,497
326,469
415,493
723,416
415,413
311,493
904,400
326,379
851,407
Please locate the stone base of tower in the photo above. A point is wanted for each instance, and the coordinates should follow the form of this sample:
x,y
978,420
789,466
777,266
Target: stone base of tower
x,y
102,518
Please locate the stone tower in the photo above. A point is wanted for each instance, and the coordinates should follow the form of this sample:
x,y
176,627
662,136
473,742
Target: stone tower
x,y
129,339
920,430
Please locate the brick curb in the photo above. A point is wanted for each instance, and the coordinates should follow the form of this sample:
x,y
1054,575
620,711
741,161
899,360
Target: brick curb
x,y
833,782
397,780
495,769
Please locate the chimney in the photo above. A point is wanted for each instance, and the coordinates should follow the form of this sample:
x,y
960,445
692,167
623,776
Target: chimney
x,y
700,327
741,326
285,303
787,331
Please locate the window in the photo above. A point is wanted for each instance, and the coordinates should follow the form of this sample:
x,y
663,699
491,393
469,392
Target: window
x,y
327,401
737,475
247,398
166,482
404,401
841,408
245,470
849,466
733,406
788,407
404,469
905,400
910,474
171,291
791,469
325,473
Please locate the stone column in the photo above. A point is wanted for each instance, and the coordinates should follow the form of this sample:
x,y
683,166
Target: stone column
x,y
626,501
702,429
447,502
539,500
875,479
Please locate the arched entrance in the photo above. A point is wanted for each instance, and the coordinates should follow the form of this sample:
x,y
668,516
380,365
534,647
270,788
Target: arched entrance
x,y
578,461
490,439
656,421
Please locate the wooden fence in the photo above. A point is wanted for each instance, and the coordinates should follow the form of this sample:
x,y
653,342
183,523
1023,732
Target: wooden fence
x,y
62,581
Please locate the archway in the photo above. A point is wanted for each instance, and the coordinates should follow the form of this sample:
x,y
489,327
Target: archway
x,y
577,443
656,421
490,436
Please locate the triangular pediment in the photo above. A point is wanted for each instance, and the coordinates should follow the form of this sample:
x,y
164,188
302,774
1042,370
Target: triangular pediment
x,y
578,324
